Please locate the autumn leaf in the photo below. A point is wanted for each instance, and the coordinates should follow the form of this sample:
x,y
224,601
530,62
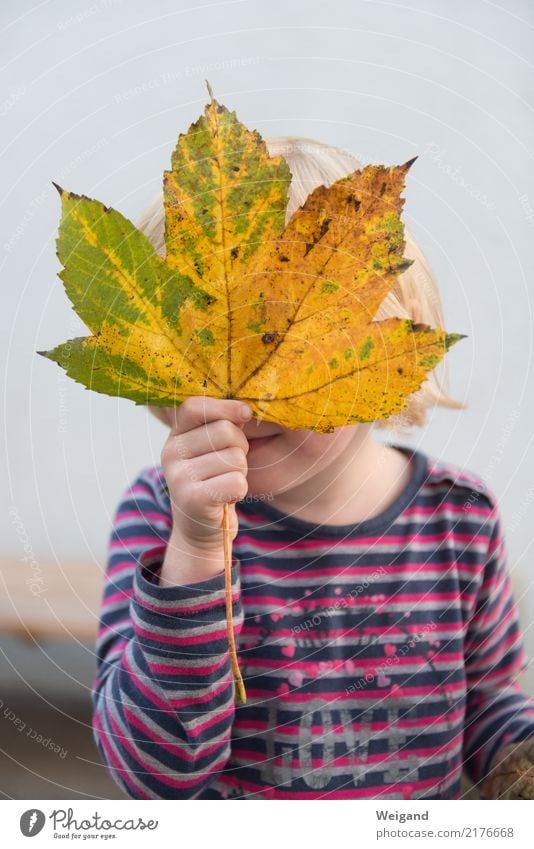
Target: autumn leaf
x,y
243,307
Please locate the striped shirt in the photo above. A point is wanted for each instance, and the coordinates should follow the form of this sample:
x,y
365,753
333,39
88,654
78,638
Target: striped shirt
x,y
379,658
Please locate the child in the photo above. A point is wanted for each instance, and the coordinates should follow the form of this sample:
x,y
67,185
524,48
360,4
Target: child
x,y
377,633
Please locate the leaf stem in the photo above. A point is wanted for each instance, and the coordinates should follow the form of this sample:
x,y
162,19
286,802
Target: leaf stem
x,y
240,692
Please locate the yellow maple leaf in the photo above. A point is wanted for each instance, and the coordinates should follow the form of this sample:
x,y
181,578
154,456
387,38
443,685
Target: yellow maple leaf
x,y
243,307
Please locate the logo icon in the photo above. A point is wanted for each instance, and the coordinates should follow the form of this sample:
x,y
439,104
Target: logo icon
x,y
31,822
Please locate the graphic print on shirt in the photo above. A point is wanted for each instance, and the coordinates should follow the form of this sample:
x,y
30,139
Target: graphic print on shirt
x,y
357,739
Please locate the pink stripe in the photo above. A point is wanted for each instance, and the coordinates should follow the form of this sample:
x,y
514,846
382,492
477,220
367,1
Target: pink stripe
x,y
409,512
149,694
115,648
363,601
339,665
493,636
358,572
139,489
137,514
164,779
467,477
158,608
487,660
332,633
123,566
181,641
198,700
497,542
123,595
230,781
112,629
487,616
172,748
503,670
294,697
412,629
456,509
126,542
125,772
263,726
361,540
161,668
198,730
254,758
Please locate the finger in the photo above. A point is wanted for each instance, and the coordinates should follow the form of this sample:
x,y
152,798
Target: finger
x,y
214,436
229,487
216,463
201,409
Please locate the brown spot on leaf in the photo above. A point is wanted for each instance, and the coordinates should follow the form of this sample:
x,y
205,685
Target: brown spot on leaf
x,y
354,201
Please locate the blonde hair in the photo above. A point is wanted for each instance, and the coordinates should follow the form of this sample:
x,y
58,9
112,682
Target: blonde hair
x,y
414,294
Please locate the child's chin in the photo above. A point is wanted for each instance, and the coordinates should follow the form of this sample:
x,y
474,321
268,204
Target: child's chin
x,y
259,486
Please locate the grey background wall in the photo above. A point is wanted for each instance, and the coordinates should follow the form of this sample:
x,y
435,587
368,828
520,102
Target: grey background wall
x,y
93,95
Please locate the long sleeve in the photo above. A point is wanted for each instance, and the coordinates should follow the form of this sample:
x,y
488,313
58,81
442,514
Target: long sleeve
x,y
497,710
163,696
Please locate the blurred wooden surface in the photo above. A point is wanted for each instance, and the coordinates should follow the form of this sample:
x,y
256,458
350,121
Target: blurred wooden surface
x,y
47,599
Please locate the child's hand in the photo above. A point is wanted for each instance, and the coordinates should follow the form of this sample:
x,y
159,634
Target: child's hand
x,y
512,774
204,462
